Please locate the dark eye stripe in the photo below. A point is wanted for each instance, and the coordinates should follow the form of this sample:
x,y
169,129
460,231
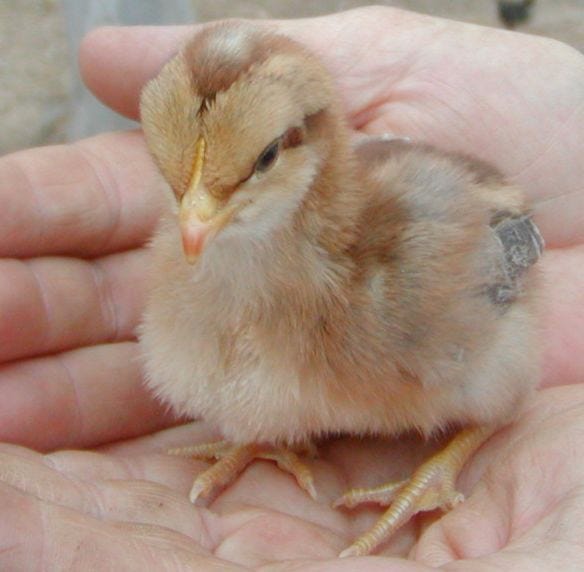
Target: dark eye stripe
x,y
293,138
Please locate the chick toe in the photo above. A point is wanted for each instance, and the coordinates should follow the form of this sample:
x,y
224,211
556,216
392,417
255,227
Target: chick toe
x,y
231,462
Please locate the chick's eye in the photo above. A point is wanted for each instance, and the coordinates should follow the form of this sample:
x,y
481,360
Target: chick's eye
x,y
268,157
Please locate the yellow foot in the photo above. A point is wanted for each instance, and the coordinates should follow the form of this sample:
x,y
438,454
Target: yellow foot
x,y
232,460
431,486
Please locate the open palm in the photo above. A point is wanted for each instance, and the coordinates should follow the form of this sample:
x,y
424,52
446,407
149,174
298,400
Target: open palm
x,y
72,229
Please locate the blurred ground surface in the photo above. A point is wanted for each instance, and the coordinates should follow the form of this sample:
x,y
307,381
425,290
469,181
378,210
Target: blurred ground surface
x,y
37,64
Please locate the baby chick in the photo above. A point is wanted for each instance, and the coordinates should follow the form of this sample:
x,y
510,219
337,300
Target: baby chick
x,y
304,286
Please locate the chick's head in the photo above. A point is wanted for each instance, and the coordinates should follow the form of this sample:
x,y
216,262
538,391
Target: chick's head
x,y
238,124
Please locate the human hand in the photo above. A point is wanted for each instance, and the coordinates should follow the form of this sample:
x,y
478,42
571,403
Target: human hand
x,y
128,509
67,384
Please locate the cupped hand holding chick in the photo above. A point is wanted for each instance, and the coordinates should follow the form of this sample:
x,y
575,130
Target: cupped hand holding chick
x,y
121,159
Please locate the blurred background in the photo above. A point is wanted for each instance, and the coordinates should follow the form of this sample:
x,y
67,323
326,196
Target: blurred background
x,y
42,99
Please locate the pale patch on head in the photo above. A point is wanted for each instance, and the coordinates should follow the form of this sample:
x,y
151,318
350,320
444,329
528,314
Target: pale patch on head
x,y
376,285
231,45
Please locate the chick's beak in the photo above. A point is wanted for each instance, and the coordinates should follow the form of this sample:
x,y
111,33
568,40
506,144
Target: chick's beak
x,y
198,209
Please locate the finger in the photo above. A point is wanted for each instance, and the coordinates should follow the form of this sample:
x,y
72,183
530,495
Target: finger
x,y
96,196
77,399
54,304
559,216
116,62
562,304
140,52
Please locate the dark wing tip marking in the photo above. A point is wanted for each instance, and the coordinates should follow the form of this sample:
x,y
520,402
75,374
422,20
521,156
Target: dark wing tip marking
x,y
521,241
522,245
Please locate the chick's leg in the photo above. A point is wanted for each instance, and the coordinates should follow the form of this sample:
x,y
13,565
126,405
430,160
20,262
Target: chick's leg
x,y
233,459
431,486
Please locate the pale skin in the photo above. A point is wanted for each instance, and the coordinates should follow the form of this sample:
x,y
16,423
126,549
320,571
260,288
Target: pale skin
x,y
72,226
